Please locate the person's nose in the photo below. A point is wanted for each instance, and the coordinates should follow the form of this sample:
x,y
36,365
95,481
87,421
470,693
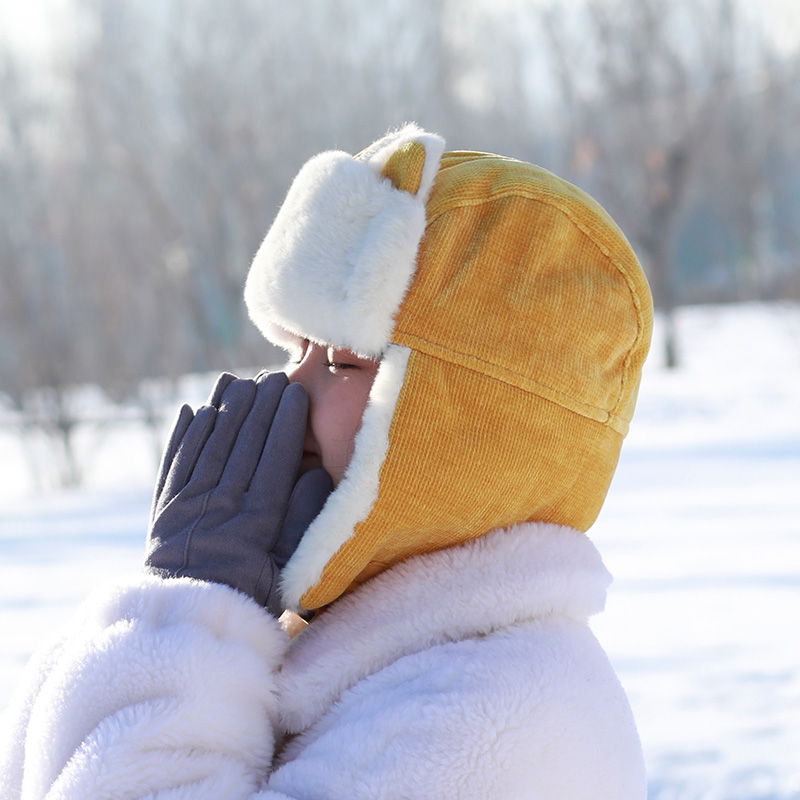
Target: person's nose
x,y
296,374
303,371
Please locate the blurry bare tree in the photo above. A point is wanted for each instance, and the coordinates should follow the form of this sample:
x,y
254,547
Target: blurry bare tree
x,y
133,197
646,85
755,175
39,356
129,236
676,119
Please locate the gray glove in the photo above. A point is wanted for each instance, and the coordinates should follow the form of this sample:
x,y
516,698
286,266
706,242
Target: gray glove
x,y
228,507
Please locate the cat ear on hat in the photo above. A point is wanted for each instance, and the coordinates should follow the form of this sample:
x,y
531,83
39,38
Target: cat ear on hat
x,y
409,158
405,166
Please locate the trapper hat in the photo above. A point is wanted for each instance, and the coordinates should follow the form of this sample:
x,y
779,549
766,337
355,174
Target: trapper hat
x,y
511,319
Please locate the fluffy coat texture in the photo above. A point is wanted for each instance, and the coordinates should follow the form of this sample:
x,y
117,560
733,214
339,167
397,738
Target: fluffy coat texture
x,y
466,673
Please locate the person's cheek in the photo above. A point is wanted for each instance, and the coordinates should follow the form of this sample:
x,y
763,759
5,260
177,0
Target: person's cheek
x,y
329,438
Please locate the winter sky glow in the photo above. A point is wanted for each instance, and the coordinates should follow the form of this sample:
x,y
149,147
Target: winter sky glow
x,y
36,25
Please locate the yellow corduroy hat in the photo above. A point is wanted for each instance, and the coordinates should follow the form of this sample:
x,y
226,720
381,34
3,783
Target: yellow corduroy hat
x,y
511,319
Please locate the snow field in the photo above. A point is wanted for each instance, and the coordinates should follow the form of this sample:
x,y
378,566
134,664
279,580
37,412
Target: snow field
x,y
701,530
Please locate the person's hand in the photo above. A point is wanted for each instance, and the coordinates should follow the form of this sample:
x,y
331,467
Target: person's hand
x,y
228,507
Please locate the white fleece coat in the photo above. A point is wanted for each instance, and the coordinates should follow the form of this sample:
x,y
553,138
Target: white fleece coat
x,y
466,673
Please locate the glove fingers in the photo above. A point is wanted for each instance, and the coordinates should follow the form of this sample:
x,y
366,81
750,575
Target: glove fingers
x,y
223,381
308,497
254,431
280,460
195,438
179,428
237,400
188,452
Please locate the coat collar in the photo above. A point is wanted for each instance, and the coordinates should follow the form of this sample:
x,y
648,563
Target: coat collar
x,y
504,578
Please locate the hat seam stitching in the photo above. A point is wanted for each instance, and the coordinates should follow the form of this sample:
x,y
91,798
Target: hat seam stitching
x,y
624,379
503,374
637,342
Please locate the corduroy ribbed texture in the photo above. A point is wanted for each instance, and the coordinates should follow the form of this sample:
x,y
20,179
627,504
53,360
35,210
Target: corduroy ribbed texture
x,y
404,167
529,319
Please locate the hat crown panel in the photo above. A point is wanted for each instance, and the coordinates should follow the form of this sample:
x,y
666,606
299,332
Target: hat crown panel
x,y
526,278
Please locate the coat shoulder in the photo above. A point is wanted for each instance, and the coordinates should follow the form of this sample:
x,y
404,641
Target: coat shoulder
x,y
532,705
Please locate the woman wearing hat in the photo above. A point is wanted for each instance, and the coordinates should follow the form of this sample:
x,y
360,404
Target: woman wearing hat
x,y
467,334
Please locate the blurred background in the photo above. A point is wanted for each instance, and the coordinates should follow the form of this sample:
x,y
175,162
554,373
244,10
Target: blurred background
x,y
145,146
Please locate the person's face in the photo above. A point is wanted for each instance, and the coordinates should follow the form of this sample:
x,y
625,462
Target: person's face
x,y
338,383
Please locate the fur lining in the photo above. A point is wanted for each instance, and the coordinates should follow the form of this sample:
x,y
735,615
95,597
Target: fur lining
x,y
339,258
355,495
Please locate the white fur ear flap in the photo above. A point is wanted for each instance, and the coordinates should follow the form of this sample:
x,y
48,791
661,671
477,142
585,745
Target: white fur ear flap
x,y
340,256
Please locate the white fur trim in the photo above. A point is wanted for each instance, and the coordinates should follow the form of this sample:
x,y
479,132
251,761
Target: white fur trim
x,y
339,258
353,499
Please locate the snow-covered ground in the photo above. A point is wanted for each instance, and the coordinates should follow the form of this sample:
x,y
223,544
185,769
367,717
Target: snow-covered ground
x,y
701,529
